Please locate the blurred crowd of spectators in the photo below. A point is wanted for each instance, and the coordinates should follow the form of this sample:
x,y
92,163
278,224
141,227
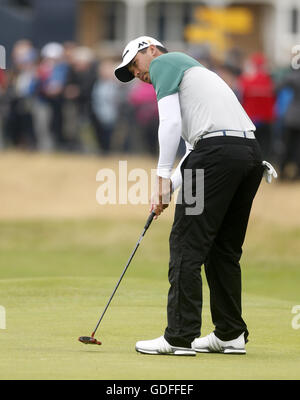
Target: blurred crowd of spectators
x,y
65,97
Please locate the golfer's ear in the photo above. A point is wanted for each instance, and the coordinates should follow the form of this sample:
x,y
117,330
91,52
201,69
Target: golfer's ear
x,y
153,49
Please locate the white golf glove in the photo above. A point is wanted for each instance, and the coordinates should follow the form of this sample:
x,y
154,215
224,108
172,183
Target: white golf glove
x,y
269,171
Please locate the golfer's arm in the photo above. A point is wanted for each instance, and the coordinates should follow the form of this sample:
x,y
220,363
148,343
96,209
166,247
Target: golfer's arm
x,y
169,133
176,177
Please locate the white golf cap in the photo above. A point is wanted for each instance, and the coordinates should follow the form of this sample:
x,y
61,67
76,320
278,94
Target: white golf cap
x,y
130,51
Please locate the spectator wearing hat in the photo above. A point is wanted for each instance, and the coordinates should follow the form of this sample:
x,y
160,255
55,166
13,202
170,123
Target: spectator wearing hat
x,y
21,86
81,77
52,77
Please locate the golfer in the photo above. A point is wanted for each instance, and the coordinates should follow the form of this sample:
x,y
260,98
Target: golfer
x,y
196,104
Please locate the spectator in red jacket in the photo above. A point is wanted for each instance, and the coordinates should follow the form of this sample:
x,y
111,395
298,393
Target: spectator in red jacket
x,y
258,99
2,79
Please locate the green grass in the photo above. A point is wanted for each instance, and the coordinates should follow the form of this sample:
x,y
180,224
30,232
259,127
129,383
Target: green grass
x,y
56,277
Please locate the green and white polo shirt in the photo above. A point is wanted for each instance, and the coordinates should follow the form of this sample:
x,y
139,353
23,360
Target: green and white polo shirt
x,y
167,70
207,103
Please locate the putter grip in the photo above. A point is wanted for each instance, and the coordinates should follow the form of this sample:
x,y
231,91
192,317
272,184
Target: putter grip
x,y
149,220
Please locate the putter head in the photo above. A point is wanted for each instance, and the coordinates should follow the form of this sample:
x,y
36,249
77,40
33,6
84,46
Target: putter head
x,y
88,340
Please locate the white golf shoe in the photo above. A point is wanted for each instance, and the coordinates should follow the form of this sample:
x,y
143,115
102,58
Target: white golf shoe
x,y
161,346
211,344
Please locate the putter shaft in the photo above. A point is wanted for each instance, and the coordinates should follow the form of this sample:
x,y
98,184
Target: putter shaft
x,y
148,223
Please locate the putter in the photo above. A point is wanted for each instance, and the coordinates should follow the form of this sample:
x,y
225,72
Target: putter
x,y
91,339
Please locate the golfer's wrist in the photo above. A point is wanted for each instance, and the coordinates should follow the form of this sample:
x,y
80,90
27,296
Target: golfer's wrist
x,y
169,182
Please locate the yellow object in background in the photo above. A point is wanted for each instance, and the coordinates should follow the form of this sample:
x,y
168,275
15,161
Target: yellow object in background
x,y
214,24
198,34
238,20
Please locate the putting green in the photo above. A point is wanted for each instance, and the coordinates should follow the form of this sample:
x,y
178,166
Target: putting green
x,y
57,277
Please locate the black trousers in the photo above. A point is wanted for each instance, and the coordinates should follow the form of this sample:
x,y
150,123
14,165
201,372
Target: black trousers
x,y
214,237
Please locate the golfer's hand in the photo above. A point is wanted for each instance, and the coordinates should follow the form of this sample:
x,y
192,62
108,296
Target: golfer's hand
x,y
161,196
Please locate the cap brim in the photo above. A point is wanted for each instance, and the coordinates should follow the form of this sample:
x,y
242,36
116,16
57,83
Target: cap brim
x,y
130,51
123,74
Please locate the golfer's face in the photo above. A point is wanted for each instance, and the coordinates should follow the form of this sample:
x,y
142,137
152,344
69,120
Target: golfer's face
x,y
139,66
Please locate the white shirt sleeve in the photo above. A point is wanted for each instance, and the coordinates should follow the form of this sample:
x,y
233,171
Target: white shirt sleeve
x,y
169,133
176,177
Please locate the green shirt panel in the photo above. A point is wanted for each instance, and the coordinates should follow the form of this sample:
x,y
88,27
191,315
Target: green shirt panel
x,y
166,72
